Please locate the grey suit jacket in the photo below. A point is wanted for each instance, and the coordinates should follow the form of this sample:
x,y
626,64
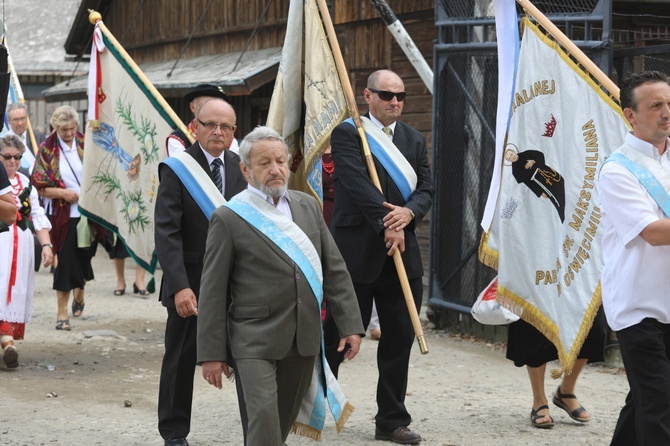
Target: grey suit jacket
x,y
181,227
271,302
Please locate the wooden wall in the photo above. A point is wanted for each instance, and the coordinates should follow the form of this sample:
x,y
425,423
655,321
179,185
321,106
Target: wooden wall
x,y
160,29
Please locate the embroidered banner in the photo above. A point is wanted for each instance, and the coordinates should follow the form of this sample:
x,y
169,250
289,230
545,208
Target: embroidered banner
x,y
545,236
126,129
306,120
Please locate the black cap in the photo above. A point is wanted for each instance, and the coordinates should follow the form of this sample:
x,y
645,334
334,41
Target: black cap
x,y
206,90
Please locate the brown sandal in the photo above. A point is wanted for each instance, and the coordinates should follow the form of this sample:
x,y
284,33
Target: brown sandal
x,y
10,355
574,414
534,416
63,324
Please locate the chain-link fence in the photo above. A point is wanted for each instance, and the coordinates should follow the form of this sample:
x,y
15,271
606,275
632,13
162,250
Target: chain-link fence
x,y
465,134
484,8
465,103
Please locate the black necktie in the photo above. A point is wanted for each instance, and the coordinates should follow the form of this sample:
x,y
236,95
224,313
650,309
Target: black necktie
x,y
216,173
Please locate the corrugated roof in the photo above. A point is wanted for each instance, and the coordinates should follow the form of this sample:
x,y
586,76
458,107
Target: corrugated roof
x,y
256,68
36,34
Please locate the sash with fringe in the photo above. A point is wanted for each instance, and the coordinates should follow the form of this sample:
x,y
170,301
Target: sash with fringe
x,y
196,181
288,237
394,162
649,173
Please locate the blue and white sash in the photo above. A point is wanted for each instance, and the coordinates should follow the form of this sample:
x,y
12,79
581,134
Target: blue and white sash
x,y
196,181
292,240
394,162
654,178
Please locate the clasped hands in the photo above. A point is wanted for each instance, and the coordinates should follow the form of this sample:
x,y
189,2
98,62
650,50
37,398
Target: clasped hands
x,y
394,222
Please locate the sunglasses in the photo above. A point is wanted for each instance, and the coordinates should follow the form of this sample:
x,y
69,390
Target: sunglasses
x,y
8,157
388,95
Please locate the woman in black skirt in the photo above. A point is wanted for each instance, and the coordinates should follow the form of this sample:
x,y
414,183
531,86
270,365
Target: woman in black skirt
x,y
527,346
57,176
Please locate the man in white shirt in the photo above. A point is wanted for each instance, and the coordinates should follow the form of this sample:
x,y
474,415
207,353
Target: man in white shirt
x,y
17,116
634,187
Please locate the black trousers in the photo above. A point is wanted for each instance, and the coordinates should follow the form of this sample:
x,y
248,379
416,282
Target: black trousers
x,y
394,346
645,418
175,393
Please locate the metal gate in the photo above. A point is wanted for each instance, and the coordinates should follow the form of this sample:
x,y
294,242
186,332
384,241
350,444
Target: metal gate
x,y
464,107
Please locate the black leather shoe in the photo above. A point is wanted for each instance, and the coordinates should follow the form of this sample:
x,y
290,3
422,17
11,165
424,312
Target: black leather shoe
x,y
176,442
399,435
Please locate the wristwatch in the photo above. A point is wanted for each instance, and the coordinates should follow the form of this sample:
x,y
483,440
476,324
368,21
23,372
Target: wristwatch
x,y
49,245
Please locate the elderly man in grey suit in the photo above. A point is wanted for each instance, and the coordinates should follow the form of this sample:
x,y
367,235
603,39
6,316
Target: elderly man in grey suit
x,y
269,251
181,232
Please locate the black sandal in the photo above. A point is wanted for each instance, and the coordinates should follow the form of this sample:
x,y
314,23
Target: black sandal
x,y
63,324
144,293
77,308
558,402
534,416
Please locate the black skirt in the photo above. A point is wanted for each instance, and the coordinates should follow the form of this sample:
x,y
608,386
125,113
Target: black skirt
x,y
115,250
74,264
527,346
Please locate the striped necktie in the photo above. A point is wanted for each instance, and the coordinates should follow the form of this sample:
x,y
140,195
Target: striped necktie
x,y
388,132
216,173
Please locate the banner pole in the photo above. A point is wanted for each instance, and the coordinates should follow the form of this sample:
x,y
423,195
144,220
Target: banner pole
x,y
582,58
19,94
372,171
96,19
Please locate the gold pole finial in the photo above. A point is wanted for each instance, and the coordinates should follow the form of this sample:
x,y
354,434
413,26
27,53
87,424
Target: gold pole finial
x,y
94,16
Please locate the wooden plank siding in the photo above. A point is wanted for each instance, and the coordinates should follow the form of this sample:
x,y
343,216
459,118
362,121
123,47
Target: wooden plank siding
x,y
160,30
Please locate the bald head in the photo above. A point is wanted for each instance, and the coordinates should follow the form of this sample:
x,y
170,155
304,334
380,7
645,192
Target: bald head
x,y
215,125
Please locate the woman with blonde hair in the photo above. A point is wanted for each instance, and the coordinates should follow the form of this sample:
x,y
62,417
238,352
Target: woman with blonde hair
x,y
57,176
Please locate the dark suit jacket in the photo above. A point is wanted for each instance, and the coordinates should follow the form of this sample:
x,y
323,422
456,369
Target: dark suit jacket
x,y
357,224
272,303
181,227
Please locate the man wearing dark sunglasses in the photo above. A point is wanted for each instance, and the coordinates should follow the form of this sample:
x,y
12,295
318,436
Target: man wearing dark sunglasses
x,y
369,226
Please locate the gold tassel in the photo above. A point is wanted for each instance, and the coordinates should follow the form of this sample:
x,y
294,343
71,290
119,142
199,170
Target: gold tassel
x,y
306,431
346,413
486,255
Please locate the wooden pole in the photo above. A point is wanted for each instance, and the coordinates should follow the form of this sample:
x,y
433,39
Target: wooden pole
x,y
405,42
571,47
96,19
19,95
372,171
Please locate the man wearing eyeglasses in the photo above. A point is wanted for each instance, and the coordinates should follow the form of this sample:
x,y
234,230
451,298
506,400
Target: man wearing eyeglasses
x,y
369,226
181,234
17,116
177,141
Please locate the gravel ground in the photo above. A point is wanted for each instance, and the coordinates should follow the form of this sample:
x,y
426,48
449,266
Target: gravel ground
x,y
98,385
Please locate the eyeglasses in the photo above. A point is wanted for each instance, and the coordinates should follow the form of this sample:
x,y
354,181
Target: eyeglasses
x,y
214,125
388,95
8,157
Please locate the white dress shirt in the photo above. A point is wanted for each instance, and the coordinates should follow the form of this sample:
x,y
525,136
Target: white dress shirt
x,y
636,275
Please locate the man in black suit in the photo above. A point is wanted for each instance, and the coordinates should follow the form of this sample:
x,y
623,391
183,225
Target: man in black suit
x,y
181,235
369,226
17,117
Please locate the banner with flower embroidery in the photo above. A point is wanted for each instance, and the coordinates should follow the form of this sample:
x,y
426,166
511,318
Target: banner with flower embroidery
x,y
126,126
